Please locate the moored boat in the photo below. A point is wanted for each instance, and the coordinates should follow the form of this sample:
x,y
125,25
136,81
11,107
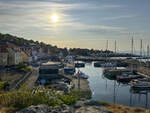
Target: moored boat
x,y
136,84
78,65
69,70
82,75
127,77
108,65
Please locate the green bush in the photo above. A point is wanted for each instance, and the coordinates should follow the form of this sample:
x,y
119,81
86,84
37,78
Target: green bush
x,y
22,99
3,85
68,99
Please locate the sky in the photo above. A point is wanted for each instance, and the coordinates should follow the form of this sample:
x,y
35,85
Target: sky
x,y
78,23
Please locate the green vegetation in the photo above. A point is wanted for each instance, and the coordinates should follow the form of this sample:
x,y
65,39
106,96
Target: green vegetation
x,y
104,103
8,110
68,99
3,85
82,94
22,99
21,67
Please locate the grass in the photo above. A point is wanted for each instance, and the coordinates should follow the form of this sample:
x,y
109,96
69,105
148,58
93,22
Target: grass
x,y
117,108
8,110
12,101
17,100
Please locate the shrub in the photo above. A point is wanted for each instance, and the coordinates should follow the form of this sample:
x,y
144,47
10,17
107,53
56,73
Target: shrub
x,y
3,85
22,99
68,99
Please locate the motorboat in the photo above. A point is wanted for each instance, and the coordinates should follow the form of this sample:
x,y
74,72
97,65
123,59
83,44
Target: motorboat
x,y
82,75
136,84
108,65
139,91
78,65
127,77
69,70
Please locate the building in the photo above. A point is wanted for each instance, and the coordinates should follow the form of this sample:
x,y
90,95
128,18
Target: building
x,y
3,56
14,56
26,58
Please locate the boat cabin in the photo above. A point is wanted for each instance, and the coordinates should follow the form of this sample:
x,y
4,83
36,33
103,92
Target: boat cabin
x,y
49,72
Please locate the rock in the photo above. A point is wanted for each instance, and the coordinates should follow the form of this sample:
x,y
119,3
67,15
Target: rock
x,y
92,103
36,109
78,104
61,109
92,109
56,99
46,109
90,106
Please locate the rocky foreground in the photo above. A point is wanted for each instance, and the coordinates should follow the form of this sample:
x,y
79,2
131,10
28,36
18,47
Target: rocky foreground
x,y
79,107
87,106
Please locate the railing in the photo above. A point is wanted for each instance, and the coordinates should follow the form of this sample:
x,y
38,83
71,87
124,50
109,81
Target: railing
x,y
16,84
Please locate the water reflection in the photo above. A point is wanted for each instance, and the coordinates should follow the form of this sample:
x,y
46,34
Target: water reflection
x,y
109,90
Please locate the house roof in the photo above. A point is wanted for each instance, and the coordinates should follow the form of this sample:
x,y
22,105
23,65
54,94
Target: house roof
x,y
3,49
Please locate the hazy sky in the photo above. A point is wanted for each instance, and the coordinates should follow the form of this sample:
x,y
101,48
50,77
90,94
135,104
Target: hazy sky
x,y
78,23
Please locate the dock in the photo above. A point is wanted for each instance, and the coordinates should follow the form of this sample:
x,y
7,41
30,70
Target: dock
x,y
84,87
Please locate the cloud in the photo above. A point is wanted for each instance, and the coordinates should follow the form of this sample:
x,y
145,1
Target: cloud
x,y
33,18
119,17
108,6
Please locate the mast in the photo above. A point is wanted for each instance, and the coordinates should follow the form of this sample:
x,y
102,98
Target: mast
x,y
106,50
115,46
107,45
141,48
147,52
132,43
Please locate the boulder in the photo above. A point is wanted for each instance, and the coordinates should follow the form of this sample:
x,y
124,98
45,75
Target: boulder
x,y
46,109
36,109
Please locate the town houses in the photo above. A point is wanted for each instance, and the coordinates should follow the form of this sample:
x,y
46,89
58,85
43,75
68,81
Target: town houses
x,y
10,54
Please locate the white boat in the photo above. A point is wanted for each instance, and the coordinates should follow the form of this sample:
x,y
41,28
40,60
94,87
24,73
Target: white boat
x,y
82,75
108,65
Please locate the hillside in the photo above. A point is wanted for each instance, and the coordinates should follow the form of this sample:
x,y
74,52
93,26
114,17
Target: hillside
x,y
21,42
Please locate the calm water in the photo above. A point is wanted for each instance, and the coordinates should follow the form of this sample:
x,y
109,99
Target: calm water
x,y
111,91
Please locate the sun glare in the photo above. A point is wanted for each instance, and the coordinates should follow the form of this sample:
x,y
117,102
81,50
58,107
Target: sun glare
x,y
55,18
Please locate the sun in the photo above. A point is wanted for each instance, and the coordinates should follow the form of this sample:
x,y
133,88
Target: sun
x,y
55,18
